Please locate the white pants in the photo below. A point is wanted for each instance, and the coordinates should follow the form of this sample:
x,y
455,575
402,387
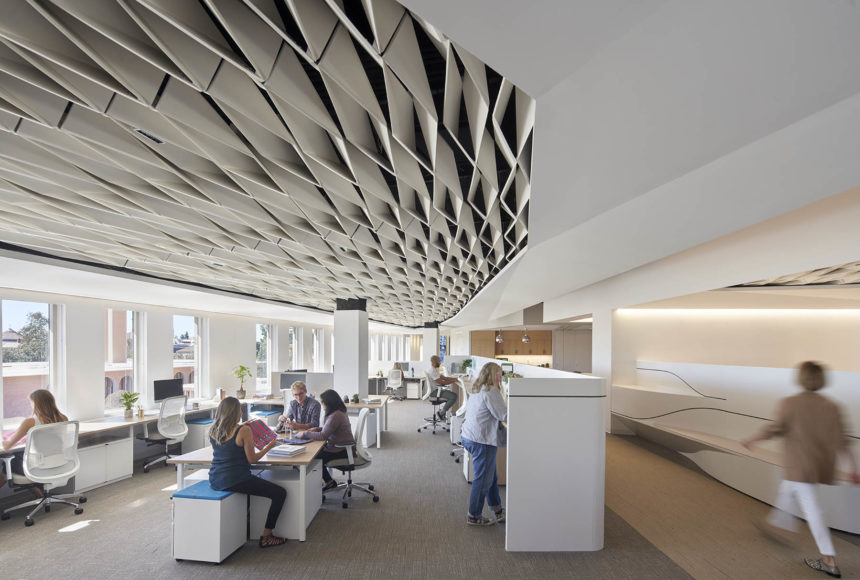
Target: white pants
x,y
793,493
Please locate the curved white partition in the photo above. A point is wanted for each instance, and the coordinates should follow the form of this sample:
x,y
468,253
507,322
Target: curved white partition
x,y
703,411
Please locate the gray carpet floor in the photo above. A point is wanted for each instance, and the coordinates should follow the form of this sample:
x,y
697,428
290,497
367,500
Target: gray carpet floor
x,y
417,530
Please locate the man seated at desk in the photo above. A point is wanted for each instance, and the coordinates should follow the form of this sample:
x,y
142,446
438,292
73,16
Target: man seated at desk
x,y
303,412
437,375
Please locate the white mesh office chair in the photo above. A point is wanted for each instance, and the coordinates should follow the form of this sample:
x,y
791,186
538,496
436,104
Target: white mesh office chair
x,y
432,394
458,418
395,381
171,428
361,460
50,460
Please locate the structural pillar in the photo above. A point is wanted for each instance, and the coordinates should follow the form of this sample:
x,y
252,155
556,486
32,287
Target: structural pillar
x,y
601,353
430,341
351,347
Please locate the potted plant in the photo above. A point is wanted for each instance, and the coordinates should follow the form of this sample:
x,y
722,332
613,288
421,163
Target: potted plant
x,y
128,399
465,366
355,398
241,372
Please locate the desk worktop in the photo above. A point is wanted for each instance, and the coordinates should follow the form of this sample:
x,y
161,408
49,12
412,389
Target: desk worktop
x,y
204,455
361,405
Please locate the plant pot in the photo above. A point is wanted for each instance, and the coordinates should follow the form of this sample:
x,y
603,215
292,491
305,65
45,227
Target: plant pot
x,y
240,394
128,414
346,400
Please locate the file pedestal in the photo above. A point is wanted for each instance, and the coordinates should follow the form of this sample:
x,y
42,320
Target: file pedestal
x,y
290,524
208,525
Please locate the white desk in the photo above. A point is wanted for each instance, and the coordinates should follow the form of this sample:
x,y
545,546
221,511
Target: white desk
x,y
377,408
203,458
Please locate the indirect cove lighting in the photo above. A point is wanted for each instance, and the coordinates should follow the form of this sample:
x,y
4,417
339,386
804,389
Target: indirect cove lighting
x,y
738,311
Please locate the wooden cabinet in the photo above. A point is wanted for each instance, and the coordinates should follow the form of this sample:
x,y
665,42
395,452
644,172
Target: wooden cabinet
x,y
484,343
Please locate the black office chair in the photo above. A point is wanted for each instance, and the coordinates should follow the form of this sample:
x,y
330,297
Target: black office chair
x,y
350,463
432,395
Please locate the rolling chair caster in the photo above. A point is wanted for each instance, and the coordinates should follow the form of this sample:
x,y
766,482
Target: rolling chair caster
x,y
344,505
5,517
82,499
47,508
28,522
376,499
79,511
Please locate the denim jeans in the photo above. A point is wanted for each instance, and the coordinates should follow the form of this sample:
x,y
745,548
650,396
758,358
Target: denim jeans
x,y
485,484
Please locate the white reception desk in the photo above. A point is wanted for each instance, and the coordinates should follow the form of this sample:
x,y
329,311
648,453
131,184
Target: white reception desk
x,y
556,464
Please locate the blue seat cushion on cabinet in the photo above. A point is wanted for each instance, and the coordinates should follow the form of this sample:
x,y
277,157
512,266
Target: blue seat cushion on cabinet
x,y
265,412
202,490
205,421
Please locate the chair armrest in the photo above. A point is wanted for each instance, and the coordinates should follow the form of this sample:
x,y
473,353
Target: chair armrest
x,y
348,447
8,461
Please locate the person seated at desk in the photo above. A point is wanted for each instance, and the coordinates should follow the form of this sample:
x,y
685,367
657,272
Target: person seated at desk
x,y
437,374
303,412
45,411
335,431
233,453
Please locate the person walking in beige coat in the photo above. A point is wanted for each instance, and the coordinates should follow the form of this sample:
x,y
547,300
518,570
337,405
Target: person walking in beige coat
x,y
814,432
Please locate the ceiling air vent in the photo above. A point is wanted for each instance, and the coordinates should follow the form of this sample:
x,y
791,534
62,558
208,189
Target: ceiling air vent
x,y
149,136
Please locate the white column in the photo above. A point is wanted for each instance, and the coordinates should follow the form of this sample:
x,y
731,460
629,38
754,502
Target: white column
x,y
306,346
601,352
430,344
351,346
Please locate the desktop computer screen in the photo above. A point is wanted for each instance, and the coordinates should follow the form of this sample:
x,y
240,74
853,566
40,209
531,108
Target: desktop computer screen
x,y
287,379
167,388
405,367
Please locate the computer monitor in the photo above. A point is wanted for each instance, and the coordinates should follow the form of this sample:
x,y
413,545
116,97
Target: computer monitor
x,y
405,367
167,388
287,379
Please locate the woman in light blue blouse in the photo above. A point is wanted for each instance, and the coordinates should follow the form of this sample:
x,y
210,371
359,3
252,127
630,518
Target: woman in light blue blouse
x,y
485,409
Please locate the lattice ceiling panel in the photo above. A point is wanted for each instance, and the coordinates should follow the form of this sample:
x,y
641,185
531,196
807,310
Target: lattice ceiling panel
x,y
829,276
297,150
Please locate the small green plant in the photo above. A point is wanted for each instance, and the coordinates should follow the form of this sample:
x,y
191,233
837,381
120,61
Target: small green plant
x,y
355,398
242,372
128,399
466,365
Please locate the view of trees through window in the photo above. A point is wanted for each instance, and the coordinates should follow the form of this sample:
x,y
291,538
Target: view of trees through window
x,y
262,371
26,354
119,355
185,354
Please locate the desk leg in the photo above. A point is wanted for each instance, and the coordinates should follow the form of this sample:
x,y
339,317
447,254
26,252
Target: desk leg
x,y
303,481
180,476
379,428
385,412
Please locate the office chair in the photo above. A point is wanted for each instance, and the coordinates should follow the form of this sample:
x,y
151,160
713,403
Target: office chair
x,y
395,381
361,460
432,395
50,460
171,428
458,418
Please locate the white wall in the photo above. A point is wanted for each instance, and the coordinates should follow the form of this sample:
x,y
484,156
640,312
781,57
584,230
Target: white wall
x,y
763,338
158,346
232,342
85,359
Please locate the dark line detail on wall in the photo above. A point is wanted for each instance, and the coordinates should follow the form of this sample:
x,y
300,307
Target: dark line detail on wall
x,y
683,381
702,409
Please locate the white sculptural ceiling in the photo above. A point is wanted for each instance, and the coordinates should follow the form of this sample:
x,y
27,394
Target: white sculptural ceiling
x,y
295,150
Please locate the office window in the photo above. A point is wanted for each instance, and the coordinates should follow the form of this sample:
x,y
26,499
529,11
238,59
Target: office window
x,y
316,363
119,356
292,348
186,352
26,354
264,354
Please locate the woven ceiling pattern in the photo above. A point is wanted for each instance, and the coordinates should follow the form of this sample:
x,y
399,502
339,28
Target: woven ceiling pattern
x,y
832,275
296,150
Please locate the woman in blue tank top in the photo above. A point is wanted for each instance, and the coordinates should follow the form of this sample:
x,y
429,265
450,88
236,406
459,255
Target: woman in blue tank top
x,y
233,453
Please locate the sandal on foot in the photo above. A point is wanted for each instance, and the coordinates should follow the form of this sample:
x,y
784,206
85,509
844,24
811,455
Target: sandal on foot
x,y
500,515
819,565
271,540
479,521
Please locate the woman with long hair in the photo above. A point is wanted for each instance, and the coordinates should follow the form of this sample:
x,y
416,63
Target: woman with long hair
x,y
485,410
45,411
335,431
233,453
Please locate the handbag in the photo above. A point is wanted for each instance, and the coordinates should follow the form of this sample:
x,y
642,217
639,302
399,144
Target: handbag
x,y
502,435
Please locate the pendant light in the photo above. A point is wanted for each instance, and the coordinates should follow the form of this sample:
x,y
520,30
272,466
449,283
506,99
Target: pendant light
x,y
526,337
499,338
